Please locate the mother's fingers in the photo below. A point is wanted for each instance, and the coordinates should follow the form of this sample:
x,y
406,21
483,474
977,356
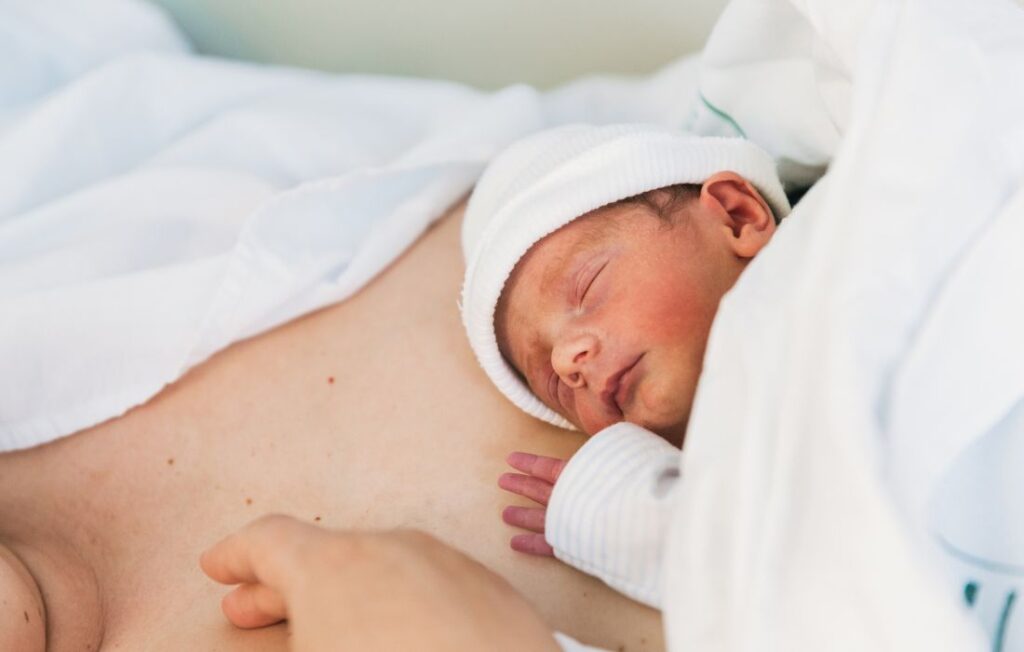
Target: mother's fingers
x,y
254,605
263,552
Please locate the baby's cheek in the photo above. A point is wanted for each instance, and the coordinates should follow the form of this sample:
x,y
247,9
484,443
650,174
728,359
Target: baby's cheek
x,y
667,395
679,331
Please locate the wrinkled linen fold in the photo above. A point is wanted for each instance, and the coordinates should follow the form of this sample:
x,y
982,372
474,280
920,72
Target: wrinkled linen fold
x,y
158,205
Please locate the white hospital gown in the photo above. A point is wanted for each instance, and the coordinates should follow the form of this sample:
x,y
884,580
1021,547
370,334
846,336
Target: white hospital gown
x,y
851,475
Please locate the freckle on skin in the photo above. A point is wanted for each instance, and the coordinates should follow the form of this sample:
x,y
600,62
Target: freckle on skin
x,y
317,519
330,380
170,461
248,501
26,615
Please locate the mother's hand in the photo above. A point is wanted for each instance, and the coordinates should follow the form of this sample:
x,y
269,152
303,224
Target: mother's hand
x,y
398,590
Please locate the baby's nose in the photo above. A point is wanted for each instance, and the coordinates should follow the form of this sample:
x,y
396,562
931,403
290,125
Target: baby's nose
x,y
572,358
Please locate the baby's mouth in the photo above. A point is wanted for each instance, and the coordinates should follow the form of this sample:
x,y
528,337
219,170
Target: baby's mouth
x,y
627,384
618,388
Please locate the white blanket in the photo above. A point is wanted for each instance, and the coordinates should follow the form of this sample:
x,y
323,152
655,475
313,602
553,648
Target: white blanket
x,y
863,388
851,473
157,206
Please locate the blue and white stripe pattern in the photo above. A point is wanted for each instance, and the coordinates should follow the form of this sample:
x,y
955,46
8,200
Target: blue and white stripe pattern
x,y
609,512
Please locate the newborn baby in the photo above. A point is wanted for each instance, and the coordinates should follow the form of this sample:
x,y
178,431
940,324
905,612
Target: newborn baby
x,y
596,259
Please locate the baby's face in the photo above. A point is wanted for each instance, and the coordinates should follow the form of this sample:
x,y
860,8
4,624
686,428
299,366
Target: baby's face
x,y
607,318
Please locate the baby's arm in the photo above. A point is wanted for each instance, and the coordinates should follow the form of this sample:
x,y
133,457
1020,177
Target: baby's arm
x,y
609,510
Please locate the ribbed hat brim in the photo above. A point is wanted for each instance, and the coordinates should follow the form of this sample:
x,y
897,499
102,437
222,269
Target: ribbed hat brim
x,y
549,179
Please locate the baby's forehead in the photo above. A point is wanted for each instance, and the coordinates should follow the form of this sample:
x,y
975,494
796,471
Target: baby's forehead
x,y
580,235
544,265
543,269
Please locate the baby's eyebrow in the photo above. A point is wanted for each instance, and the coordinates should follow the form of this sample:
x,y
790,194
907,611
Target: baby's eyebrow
x,y
591,236
554,273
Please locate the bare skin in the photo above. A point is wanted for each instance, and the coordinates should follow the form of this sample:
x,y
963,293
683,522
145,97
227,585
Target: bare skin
x,y
348,590
337,418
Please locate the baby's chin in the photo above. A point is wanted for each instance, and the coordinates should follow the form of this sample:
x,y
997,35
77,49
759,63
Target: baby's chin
x,y
656,408
673,433
666,417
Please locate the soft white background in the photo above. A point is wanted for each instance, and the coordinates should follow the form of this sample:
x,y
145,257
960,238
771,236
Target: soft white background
x,y
487,43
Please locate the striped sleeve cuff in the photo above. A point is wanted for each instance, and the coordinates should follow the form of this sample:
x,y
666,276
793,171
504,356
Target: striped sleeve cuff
x,y
608,514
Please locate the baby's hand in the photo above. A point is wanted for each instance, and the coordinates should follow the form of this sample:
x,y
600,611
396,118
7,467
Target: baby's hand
x,y
541,474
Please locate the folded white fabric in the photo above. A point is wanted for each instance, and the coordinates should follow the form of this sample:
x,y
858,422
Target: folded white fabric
x,y
158,206
886,343
46,43
549,179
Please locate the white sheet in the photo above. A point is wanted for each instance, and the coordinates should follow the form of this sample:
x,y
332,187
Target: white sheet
x,y
157,206
869,346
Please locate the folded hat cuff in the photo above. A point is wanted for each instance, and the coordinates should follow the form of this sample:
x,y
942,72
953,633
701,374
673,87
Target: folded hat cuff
x,y
619,168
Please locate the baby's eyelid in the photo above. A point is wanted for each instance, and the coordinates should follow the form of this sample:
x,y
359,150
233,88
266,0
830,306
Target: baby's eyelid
x,y
591,280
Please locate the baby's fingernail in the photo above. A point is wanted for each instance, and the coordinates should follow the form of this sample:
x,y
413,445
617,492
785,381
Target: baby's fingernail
x,y
521,460
520,543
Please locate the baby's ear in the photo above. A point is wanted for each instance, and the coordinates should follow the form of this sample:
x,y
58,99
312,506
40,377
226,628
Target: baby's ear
x,y
746,218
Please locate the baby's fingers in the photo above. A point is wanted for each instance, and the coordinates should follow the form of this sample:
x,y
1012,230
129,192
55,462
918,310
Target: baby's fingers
x,y
532,544
545,468
526,486
528,518
253,605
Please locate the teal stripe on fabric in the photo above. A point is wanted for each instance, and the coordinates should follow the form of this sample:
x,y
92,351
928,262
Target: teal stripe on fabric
x,y
723,115
981,562
970,593
997,645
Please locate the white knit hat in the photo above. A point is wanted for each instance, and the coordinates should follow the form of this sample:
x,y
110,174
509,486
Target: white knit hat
x,y
546,180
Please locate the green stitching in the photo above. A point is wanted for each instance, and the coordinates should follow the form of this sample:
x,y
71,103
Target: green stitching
x,y
981,562
723,115
1001,630
970,593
